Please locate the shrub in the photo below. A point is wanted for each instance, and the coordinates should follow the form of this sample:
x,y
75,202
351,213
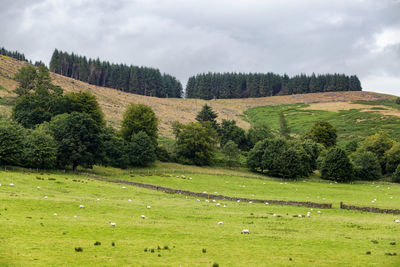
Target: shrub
x,y
231,152
141,150
11,139
162,154
194,143
392,157
39,150
324,133
366,166
398,101
337,166
258,132
230,131
396,175
139,117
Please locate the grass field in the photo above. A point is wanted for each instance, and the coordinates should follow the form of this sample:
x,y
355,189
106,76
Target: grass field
x,y
31,235
352,123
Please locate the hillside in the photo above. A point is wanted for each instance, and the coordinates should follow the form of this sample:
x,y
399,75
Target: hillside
x,y
113,102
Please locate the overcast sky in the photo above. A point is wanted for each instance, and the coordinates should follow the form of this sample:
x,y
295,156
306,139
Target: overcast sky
x,y
184,37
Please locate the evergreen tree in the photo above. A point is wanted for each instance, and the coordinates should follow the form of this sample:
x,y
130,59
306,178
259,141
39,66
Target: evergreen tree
x,y
207,115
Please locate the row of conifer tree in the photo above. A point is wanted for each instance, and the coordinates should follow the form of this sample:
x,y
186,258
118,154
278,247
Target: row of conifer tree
x,y
150,81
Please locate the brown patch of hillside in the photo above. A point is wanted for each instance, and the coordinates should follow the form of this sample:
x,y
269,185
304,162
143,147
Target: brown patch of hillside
x,y
114,102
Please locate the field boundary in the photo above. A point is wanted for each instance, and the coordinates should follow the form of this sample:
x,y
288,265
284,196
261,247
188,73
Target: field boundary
x,y
213,196
368,209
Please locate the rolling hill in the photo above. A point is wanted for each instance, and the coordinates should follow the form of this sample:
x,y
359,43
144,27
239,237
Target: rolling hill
x,y
113,102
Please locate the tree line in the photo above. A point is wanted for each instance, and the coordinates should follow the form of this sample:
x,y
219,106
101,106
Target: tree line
x,y
241,85
132,79
13,54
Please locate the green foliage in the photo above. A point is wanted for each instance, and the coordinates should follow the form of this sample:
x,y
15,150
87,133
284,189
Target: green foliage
x,y
324,133
396,175
27,79
366,166
258,131
229,131
78,138
39,149
312,150
284,130
11,139
194,143
162,154
398,101
282,158
351,146
392,157
337,166
13,54
378,144
139,117
85,101
231,152
114,149
207,114
44,102
132,79
141,150
240,85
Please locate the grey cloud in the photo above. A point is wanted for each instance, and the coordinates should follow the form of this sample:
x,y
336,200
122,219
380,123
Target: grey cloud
x,y
187,37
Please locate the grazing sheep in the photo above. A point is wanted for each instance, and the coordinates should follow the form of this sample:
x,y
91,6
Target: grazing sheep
x,y
75,216
238,201
214,200
81,206
113,224
190,178
397,221
207,200
274,214
183,176
224,206
149,207
266,203
98,199
11,184
38,187
218,204
198,200
319,212
143,217
123,187
45,197
300,216
205,192
215,192
391,197
220,223
250,202
129,200
55,214
245,231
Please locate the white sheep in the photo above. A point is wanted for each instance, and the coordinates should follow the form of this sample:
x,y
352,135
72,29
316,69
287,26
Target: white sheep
x,y
207,200
123,187
198,200
238,201
113,224
319,212
75,216
250,202
274,214
38,187
190,178
149,207
46,197
214,200
98,199
300,216
224,206
220,223
143,217
11,184
81,206
245,231
266,203
129,200
55,214
397,221
218,204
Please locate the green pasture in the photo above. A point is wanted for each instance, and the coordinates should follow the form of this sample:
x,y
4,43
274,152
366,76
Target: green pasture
x,y
31,235
350,124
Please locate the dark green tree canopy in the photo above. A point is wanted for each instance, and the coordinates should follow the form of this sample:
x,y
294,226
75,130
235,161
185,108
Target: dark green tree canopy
x,y
337,166
207,114
78,139
86,102
229,131
194,143
366,166
241,85
323,132
27,79
132,79
259,132
139,117
11,140
141,150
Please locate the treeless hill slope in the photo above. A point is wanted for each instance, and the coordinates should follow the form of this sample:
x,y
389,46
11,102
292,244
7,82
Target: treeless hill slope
x,y
168,110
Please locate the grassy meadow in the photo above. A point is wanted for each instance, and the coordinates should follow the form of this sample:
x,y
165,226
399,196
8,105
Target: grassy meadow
x,y
182,227
366,118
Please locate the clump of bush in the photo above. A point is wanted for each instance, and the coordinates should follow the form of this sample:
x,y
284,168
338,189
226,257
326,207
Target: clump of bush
x,y
396,175
337,166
